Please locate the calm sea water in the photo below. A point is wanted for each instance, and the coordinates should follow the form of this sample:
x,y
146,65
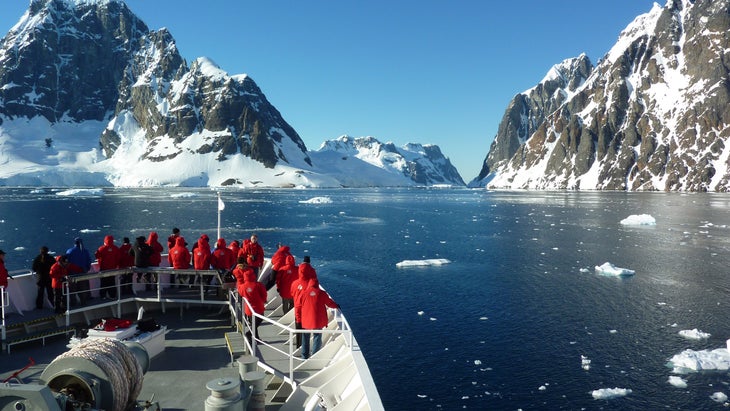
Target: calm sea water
x,y
504,325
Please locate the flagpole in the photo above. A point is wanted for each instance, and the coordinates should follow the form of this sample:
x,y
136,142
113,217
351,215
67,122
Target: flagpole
x,y
218,206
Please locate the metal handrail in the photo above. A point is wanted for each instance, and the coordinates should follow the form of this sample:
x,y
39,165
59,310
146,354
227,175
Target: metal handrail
x,y
342,328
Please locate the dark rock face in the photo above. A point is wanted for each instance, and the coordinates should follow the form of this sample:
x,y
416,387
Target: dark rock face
x,y
652,115
98,61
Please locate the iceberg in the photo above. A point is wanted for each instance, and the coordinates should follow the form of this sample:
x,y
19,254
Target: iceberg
x,y
694,334
705,360
609,393
678,382
422,263
82,192
719,397
317,200
639,219
610,269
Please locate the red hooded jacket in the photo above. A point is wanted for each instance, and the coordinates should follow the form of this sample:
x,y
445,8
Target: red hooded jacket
x,y
222,258
201,254
253,291
314,302
278,260
108,255
156,257
179,256
125,260
285,277
60,270
306,272
254,254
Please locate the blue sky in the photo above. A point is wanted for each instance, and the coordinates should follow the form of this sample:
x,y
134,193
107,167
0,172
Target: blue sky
x,y
424,71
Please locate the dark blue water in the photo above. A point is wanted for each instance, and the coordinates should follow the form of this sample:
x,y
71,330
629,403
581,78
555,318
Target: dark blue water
x,y
504,325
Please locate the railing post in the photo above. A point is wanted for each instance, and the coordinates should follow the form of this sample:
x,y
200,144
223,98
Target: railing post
x,y
67,292
2,305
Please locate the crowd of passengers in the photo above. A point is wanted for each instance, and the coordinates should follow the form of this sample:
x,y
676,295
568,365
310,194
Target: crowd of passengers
x,y
296,284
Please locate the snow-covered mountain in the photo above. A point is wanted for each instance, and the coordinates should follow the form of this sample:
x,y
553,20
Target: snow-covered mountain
x,y
89,95
361,161
654,113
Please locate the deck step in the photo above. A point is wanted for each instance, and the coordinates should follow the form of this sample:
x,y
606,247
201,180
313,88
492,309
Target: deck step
x,y
40,335
236,344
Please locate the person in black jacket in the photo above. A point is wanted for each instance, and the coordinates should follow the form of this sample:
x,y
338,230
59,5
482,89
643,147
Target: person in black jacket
x,y
42,267
142,252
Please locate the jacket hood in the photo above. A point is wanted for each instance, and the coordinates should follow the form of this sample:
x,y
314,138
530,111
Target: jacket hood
x,y
152,238
290,260
284,249
203,243
109,240
180,241
221,243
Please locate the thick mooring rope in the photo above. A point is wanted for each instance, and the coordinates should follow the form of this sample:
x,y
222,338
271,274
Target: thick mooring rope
x,y
117,362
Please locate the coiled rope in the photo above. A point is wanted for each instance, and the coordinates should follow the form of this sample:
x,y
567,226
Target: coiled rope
x,y
117,362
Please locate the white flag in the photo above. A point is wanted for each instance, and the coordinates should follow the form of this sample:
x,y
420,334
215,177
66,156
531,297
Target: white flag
x,y
221,205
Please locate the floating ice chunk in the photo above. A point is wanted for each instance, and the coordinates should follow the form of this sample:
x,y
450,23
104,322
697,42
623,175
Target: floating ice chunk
x,y
88,230
317,200
678,382
719,397
19,248
610,269
422,263
184,195
82,192
477,362
420,313
542,388
585,363
694,334
609,393
639,219
705,360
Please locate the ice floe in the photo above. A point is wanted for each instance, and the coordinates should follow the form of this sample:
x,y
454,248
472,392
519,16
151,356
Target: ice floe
x,y
719,397
639,219
694,334
81,192
610,269
422,263
317,200
184,195
609,393
585,363
704,360
678,382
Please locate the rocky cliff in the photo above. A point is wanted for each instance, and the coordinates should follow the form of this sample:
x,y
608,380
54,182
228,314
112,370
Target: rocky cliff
x,y
652,115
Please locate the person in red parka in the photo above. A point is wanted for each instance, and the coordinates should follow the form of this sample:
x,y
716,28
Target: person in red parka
x,y
222,258
3,271
278,260
285,277
126,260
179,257
201,254
235,246
253,291
254,254
314,302
305,272
155,258
108,257
59,271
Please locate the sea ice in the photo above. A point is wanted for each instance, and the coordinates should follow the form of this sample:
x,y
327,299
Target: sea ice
x,y
719,397
184,195
585,363
705,360
82,192
694,334
317,200
422,263
678,382
639,219
610,269
609,393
